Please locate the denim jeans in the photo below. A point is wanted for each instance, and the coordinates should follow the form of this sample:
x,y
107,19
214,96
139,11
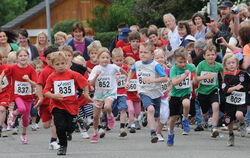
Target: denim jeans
x,y
247,117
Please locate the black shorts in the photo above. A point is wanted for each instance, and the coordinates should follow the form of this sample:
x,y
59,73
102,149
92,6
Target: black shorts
x,y
175,105
207,100
230,111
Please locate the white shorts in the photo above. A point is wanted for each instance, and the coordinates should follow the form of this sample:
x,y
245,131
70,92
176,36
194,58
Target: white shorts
x,y
164,110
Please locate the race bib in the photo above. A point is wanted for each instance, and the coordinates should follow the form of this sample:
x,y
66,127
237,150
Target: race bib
x,y
236,98
104,82
5,82
164,87
209,82
121,81
66,88
132,85
140,77
186,83
22,88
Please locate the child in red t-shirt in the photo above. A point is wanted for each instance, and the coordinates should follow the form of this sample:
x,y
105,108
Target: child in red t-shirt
x,y
61,87
133,101
132,49
4,92
120,101
154,39
23,80
44,111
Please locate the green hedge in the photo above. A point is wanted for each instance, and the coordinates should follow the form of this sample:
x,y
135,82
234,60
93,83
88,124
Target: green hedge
x,y
105,37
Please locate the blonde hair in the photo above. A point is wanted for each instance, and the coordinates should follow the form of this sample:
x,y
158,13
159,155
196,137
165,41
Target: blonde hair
x,y
65,48
162,30
181,52
36,62
56,56
117,52
128,60
226,57
79,60
101,51
37,41
95,45
60,34
12,57
148,46
159,50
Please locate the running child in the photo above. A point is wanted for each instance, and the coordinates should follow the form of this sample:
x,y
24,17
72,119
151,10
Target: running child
x,y
180,75
150,75
120,101
23,80
133,100
103,77
236,89
160,57
61,88
208,89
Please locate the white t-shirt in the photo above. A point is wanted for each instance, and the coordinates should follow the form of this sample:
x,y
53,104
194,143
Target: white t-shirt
x,y
174,39
106,81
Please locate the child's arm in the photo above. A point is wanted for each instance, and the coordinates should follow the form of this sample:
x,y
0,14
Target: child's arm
x,y
39,93
177,80
89,70
130,75
54,96
237,87
26,77
86,93
92,82
206,76
155,80
194,77
1,80
124,71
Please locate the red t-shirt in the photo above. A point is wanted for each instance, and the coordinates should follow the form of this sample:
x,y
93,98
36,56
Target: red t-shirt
x,y
6,86
127,50
65,83
120,44
42,78
20,87
121,81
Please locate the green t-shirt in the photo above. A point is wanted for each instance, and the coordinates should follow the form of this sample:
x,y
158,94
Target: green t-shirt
x,y
185,86
208,85
14,46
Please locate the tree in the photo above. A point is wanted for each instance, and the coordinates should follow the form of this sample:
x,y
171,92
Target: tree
x,y
32,3
10,9
108,17
151,12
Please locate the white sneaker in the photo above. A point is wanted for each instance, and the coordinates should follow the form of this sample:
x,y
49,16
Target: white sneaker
x,y
215,133
37,126
160,138
53,146
15,131
4,132
248,129
243,130
101,132
33,127
85,135
89,121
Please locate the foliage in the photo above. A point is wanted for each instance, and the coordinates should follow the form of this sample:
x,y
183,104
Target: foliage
x,y
64,26
10,9
108,17
32,3
105,38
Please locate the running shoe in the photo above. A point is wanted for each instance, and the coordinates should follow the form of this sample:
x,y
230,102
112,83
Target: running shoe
x,y
154,138
54,146
160,137
62,150
230,140
94,138
85,135
111,122
214,133
170,141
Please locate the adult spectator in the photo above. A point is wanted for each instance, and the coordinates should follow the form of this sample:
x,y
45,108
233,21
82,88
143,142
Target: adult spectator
x,y
79,42
60,38
185,34
200,23
42,44
24,42
7,41
192,27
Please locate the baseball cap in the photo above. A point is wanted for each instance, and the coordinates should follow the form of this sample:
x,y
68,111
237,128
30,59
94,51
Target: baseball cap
x,y
226,4
124,33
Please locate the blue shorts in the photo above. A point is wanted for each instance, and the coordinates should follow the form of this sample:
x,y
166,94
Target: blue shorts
x,y
120,103
147,101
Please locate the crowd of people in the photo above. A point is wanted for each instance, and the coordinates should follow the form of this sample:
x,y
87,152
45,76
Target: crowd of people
x,y
186,72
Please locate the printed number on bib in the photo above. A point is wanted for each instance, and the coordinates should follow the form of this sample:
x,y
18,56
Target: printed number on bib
x,y
23,88
132,85
104,82
5,82
186,83
236,98
121,81
142,75
66,88
208,82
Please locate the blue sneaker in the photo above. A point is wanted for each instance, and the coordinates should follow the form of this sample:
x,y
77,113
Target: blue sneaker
x,y
185,126
170,140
